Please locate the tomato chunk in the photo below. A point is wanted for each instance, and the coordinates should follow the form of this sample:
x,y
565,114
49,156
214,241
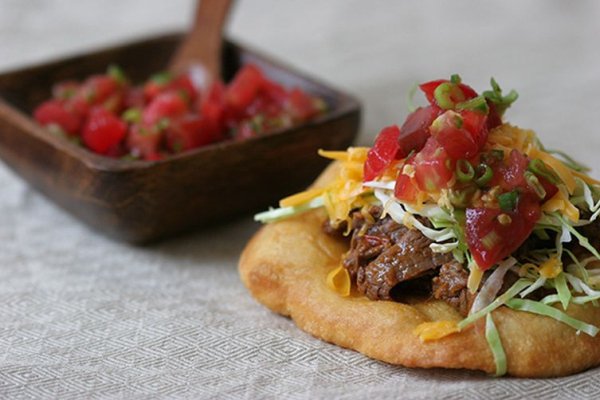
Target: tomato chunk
x,y
405,189
449,130
56,112
103,131
165,105
244,87
433,167
385,150
415,130
428,88
144,141
493,234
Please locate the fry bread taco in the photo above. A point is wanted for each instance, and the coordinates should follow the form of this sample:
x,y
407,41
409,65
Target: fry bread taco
x,y
456,241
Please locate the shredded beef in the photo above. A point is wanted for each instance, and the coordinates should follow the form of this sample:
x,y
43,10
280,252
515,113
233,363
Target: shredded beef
x,y
451,286
384,253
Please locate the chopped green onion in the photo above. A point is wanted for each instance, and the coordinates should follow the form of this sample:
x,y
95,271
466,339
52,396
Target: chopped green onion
x,y
500,300
490,240
539,308
508,201
455,78
445,93
162,78
497,154
500,102
475,104
115,72
464,171
535,184
493,338
284,212
484,174
163,123
56,130
539,168
132,115
564,294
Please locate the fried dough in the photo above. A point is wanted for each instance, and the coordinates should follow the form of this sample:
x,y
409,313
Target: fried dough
x,y
285,266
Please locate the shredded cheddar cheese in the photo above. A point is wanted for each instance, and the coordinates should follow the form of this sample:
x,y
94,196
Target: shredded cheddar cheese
x,y
551,268
300,198
338,280
428,331
560,202
475,276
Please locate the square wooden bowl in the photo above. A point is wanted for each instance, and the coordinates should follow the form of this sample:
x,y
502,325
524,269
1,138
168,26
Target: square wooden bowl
x,y
140,201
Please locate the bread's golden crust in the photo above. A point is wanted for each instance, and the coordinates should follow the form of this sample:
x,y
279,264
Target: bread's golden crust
x,y
285,267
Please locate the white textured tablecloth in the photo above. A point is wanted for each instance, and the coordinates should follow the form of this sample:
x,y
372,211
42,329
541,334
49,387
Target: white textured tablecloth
x,y
84,317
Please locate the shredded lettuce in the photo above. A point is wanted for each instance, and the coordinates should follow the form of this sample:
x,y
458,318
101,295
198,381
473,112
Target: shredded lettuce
x,y
535,286
493,338
275,214
553,298
492,285
537,307
564,294
583,241
500,300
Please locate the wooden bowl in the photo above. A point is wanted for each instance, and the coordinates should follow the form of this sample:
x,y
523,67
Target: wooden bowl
x,y
140,201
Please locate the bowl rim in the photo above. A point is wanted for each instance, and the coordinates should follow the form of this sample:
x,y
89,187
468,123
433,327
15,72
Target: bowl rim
x,y
345,104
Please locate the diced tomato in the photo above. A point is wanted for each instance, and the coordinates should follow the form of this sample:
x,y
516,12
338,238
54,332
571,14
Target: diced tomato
x,y
244,88
56,112
97,89
183,84
433,167
144,141
429,88
493,234
405,189
250,105
103,131
274,92
475,123
165,105
450,132
415,130
212,108
511,175
188,132
300,105
134,98
385,150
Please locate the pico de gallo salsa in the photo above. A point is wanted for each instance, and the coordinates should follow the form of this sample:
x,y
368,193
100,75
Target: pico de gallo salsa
x,y
473,209
168,114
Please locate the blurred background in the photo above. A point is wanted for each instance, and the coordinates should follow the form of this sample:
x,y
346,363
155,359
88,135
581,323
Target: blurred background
x,y
377,50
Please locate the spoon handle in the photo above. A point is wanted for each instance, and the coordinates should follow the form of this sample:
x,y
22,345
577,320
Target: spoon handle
x,y
202,44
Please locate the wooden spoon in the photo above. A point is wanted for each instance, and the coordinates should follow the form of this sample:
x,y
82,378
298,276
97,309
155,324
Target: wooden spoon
x,y
199,53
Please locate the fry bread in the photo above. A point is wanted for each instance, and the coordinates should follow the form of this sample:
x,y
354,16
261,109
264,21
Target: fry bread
x,y
285,267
